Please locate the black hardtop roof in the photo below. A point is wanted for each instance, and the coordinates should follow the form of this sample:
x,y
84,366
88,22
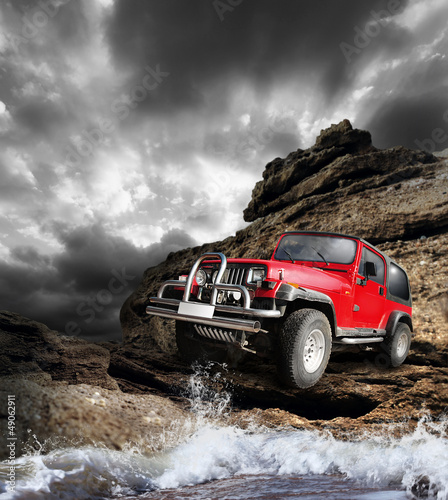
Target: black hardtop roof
x,y
328,233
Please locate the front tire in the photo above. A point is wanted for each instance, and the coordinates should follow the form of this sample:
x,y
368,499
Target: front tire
x,y
398,344
305,347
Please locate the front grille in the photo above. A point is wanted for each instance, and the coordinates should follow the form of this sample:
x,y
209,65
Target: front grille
x,y
215,333
235,275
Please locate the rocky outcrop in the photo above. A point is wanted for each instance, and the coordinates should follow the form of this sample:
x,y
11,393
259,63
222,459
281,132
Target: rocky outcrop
x,y
342,163
64,395
30,349
147,403
148,393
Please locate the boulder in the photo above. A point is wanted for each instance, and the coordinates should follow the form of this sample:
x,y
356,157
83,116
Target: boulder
x,y
64,396
342,157
32,350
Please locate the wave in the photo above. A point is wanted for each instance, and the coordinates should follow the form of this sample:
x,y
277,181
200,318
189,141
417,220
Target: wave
x,y
222,452
416,462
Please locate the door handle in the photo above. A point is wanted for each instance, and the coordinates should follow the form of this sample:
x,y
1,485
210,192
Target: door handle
x,y
381,291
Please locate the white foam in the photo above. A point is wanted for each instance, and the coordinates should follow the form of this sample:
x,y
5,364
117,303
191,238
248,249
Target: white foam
x,y
217,452
223,452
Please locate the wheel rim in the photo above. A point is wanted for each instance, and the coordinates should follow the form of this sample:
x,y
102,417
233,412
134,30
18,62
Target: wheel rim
x,y
402,345
314,351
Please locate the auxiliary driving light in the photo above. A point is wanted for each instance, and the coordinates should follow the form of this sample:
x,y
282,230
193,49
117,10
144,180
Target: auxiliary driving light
x,y
201,277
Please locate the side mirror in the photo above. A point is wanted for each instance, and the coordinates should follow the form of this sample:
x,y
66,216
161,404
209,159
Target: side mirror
x,y
370,269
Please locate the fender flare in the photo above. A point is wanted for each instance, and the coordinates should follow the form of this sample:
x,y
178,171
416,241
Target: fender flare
x,y
290,293
397,317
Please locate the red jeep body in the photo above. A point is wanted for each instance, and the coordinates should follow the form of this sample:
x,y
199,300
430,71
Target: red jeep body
x,y
318,292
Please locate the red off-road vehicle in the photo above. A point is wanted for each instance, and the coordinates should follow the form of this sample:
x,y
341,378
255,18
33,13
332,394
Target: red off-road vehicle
x,y
318,292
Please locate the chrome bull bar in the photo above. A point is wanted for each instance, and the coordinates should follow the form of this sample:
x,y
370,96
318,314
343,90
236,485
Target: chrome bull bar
x,y
197,312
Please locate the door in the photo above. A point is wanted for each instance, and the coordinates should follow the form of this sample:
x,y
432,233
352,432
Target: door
x,y
370,293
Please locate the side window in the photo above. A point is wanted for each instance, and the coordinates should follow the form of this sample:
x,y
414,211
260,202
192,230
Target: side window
x,y
398,283
369,256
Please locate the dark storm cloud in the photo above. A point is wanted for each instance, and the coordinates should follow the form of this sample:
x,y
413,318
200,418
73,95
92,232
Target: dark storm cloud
x,y
259,41
282,143
49,43
80,290
30,256
269,44
66,17
235,88
253,138
414,122
173,240
42,118
45,177
13,186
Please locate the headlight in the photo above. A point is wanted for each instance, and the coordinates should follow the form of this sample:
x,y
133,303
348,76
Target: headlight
x,y
201,277
256,274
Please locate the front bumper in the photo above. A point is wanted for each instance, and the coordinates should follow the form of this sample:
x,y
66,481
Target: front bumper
x,y
248,319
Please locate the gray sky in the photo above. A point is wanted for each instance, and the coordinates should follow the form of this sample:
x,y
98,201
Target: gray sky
x,y
130,129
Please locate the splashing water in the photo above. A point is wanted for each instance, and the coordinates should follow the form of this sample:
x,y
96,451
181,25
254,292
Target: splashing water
x,y
243,464
209,394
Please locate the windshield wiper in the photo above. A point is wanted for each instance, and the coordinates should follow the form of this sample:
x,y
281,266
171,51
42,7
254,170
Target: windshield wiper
x,y
321,256
287,253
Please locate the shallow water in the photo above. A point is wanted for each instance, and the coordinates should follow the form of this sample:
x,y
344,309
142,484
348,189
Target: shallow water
x,y
226,462
267,487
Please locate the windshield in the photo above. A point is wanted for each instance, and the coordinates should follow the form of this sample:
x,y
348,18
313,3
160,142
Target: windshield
x,y
313,247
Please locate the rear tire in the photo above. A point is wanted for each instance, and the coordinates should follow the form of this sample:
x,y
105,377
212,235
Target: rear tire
x,y
192,350
305,347
398,344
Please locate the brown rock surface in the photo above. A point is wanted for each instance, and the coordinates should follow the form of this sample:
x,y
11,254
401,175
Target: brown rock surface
x,y
342,163
31,349
65,396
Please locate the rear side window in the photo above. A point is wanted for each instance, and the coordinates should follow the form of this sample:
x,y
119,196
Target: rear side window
x,y
398,283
